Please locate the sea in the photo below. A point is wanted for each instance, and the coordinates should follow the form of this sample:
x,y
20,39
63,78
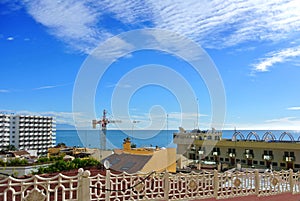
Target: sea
x,y
147,138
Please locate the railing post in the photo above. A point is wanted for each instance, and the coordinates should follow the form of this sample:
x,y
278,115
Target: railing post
x,y
216,184
291,180
107,185
84,185
256,182
166,185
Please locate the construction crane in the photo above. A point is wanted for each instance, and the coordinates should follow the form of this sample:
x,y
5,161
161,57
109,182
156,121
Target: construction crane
x,y
103,122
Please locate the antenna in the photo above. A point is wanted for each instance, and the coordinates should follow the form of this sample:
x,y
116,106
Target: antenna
x,y
197,114
134,122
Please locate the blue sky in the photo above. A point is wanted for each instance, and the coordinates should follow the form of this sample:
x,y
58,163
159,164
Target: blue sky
x,y
255,46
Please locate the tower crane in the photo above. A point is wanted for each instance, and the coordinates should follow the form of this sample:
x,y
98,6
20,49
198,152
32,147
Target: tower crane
x,y
103,122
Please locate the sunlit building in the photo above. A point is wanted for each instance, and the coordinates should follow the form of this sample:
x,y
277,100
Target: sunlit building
x,y
27,132
4,130
250,151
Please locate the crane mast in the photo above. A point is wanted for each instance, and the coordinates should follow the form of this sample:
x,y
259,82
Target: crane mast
x,y
103,122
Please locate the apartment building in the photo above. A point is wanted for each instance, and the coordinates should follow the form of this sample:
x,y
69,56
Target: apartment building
x,y
259,153
27,132
4,130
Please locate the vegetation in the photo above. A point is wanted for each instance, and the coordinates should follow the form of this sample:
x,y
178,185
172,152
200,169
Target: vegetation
x,y
61,144
62,165
50,159
14,162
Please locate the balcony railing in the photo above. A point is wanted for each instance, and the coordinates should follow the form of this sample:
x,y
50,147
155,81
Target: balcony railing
x,y
289,158
267,157
231,155
249,155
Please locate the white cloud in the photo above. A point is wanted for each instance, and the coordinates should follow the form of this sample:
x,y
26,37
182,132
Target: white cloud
x,y
276,57
293,108
10,38
215,24
71,21
83,121
282,123
4,91
51,86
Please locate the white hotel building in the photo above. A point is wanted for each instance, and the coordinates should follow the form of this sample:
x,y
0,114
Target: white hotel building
x,y
27,132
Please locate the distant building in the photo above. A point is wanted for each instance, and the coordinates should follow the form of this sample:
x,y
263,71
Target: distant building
x,y
27,132
4,130
132,160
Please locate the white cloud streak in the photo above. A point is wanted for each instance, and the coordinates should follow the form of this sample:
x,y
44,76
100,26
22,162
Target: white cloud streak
x,y
276,57
293,108
51,86
215,24
4,91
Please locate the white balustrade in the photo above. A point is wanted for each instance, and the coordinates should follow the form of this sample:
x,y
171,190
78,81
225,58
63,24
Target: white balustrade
x,y
151,186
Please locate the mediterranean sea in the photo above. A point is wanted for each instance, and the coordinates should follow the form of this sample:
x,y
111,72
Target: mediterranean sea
x,y
145,138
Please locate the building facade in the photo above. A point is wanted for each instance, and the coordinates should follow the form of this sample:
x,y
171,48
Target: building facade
x,y
27,132
4,130
258,153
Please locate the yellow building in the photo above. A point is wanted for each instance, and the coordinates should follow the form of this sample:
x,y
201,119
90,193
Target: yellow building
x,y
259,153
147,159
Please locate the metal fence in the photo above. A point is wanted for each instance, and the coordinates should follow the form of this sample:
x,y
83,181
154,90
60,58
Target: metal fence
x,y
151,186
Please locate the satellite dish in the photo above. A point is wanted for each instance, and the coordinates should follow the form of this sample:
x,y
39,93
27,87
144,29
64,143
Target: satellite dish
x,y
106,164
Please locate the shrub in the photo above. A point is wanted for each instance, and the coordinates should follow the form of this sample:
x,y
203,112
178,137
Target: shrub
x,y
62,165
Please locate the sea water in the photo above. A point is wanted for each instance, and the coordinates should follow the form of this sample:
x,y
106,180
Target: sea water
x,y
144,138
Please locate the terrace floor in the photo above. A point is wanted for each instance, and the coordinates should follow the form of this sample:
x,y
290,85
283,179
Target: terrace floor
x,y
280,197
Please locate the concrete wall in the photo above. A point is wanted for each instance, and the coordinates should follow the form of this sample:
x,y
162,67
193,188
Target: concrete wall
x,y
164,159
21,170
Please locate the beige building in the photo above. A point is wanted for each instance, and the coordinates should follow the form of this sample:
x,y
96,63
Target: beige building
x,y
260,153
132,160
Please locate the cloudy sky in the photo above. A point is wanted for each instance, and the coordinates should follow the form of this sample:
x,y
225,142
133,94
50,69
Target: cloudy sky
x,y
255,46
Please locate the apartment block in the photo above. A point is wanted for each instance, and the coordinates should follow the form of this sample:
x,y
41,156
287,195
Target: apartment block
x,y
4,130
27,132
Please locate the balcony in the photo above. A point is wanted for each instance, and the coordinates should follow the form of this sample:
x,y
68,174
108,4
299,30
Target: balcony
x,y
231,155
289,158
267,157
249,155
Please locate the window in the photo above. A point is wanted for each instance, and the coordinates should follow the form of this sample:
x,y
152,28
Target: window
x,y
243,161
262,163
255,162
297,165
282,164
13,136
227,159
275,164
292,154
222,159
238,160
13,141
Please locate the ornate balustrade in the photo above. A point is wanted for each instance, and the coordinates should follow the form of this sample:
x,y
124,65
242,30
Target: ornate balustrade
x,y
152,186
